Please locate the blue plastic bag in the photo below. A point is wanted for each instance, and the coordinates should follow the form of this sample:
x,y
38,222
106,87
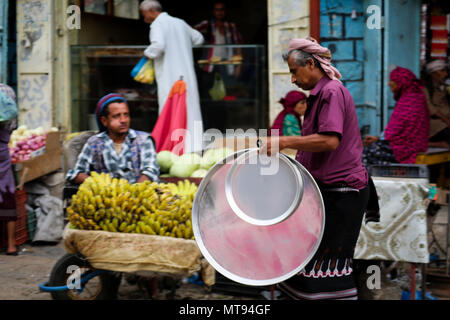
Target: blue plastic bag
x,y
8,108
144,71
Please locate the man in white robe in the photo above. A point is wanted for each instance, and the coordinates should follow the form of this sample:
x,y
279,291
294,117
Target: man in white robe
x,y
171,45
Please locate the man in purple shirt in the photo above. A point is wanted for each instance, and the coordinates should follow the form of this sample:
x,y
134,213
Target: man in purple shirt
x,y
330,148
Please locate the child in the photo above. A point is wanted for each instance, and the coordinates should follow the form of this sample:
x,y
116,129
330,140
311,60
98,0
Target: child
x,y
288,122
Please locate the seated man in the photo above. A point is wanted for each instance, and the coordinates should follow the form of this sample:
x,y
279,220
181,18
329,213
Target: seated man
x,y
437,92
117,149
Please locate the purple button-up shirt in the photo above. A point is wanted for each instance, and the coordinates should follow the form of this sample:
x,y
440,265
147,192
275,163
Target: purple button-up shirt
x,y
331,109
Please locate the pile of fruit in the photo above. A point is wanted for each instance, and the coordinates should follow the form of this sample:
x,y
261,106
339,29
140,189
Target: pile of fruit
x,y
190,165
24,143
114,205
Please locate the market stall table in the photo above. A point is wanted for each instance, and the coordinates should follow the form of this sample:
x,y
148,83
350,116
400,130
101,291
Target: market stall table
x,y
434,156
439,157
401,234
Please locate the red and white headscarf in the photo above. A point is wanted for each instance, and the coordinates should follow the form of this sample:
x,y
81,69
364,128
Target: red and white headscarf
x,y
322,54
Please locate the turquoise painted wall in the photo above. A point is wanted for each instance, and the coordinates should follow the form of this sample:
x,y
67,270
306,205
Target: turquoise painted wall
x,y
364,56
402,43
342,31
3,40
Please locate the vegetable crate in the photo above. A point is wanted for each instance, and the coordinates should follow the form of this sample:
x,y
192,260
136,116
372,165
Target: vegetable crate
x,y
31,224
21,223
45,163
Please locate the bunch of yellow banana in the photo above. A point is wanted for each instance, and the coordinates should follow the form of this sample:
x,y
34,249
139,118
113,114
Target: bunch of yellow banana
x,y
110,204
81,222
184,188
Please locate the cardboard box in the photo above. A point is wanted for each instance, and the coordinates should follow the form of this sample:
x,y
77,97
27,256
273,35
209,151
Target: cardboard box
x,y
43,164
21,233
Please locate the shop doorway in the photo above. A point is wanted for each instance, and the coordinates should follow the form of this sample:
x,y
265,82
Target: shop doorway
x,y
107,48
395,43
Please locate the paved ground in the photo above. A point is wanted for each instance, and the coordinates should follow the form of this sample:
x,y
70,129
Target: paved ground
x,y
21,275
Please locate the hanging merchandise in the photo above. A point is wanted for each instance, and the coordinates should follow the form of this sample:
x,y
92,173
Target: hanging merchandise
x,y
439,38
171,127
144,71
218,91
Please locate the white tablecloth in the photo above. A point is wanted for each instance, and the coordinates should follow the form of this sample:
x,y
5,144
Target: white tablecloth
x,y
401,234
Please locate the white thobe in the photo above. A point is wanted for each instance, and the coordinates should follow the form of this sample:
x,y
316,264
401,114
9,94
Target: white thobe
x,y
171,50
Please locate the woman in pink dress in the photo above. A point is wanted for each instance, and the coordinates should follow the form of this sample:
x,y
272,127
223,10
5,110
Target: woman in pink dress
x,y
406,134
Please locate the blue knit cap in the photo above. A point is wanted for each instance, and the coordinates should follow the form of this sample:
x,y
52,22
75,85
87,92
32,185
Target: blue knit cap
x,y
103,103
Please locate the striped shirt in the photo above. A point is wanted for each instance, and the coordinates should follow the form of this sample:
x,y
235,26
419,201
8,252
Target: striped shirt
x,y
137,158
207,29
232,36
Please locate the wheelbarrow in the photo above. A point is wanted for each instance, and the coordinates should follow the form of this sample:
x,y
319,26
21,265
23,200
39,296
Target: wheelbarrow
x,y
73,278
112,255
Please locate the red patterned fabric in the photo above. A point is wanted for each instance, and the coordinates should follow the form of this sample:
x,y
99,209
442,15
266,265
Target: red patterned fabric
x,y
408,128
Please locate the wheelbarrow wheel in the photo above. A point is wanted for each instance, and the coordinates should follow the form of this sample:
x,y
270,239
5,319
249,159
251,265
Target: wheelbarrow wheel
x,y
102,287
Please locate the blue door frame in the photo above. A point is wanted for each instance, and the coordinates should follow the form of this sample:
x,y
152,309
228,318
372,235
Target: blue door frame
x,y
401,44
373,73
397,43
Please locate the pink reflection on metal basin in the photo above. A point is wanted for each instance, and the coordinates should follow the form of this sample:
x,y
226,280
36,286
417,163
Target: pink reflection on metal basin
x,y
255,252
